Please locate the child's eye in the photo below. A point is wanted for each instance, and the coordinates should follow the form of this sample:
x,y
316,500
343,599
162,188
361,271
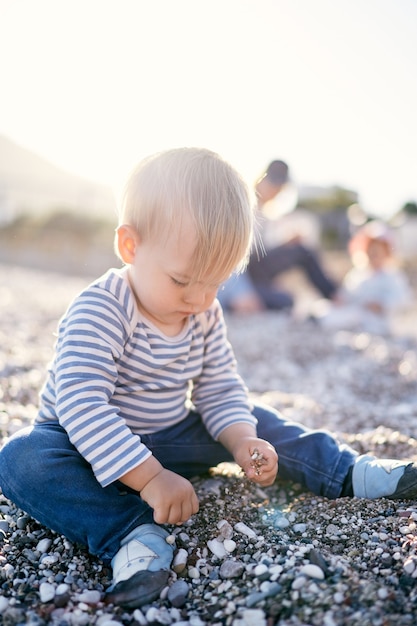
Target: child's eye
x,y
178,282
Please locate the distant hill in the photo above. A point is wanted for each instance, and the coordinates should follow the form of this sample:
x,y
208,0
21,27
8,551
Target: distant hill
x,y
29,184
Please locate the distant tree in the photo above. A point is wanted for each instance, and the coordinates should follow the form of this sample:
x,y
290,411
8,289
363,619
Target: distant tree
x,y
333,199
410,208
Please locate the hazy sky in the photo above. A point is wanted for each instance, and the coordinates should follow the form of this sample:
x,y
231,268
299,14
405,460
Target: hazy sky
x,y
328,85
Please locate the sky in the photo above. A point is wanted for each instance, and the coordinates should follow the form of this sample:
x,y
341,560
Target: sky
x,y
330,86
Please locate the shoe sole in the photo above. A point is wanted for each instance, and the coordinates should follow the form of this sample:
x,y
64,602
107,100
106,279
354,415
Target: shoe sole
x,y
142,588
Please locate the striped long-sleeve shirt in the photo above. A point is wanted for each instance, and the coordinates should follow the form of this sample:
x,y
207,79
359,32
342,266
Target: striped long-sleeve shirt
x,y
115,376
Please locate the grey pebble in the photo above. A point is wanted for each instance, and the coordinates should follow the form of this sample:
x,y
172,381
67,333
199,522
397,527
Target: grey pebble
x,y
177,593
231,569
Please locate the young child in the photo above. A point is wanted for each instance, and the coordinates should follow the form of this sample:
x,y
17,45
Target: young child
x,y
143,391
373,290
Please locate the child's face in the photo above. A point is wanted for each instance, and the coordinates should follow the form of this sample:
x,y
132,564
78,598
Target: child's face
x,y
378,253
160,275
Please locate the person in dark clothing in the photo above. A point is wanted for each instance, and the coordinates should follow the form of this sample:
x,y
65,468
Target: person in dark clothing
x,y
257,289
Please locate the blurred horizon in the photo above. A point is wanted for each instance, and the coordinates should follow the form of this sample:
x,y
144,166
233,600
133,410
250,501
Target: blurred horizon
x,y
95,86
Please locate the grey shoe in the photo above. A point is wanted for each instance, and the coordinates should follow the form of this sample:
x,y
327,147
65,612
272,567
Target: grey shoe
x,y
141,588
384,478
140,567
145,548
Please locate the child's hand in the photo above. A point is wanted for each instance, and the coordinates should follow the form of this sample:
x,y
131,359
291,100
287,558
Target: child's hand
x,y
171,497
258,459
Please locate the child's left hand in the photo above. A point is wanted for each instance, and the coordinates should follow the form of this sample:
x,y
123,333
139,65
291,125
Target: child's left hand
x,y
258,459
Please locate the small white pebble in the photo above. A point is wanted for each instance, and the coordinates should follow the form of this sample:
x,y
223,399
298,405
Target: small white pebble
x,y
139,617
61,589
312,571
260,569
4,603
275,571
44,545
49,559
299,528
152,614
90,596
180,561
217,548
298,583
193,573
383,593
46,592
242,528
229,545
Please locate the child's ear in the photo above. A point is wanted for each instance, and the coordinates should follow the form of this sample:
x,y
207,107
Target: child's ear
x,y
126,242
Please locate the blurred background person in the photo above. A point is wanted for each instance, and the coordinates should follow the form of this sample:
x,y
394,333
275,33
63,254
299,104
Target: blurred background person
x,y
258,289
373,289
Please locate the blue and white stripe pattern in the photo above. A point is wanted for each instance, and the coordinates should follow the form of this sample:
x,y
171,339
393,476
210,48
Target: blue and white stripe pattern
x,y
115,376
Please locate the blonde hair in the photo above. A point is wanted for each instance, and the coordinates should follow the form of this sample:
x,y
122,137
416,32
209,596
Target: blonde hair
x,y
169,188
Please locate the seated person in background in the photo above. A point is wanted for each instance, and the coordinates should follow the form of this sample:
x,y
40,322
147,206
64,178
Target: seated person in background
x,y
372,290
256,290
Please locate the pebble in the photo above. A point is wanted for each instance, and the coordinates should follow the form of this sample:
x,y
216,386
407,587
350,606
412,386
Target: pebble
x,y
244,529
299,528
313,571
254,598
231,569
229,545
298,582
90,596
158,616
4,526
226,529
260,569
46,592
275,571
179,562
4,603
177,593
139,617
217,548
252,617
49,559
43,545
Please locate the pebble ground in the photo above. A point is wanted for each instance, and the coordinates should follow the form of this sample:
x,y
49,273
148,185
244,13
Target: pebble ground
x,y
251,557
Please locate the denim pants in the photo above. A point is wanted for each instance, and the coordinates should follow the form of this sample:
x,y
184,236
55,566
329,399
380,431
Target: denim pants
x,y
45,476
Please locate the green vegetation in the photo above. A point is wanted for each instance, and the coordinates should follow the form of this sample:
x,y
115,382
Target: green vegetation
x,y
333,199
61,241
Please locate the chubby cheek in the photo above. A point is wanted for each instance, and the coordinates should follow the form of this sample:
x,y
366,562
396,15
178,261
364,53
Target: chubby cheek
x,y
168,296
210,297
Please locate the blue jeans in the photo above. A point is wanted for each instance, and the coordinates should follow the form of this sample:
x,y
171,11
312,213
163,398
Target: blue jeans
x,y
44,475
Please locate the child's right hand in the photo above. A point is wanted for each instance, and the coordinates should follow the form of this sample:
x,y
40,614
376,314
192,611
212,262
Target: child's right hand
x,y
171,497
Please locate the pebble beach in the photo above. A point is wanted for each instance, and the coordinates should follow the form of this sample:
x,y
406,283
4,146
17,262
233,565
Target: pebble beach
x,y
251,556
